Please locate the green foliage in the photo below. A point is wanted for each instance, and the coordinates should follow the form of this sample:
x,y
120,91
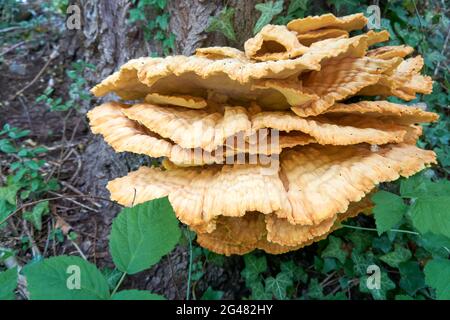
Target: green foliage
x,y
77,89
334,249
136,295
268,10
8,283
25,181
389,210
223,23
296,9
52,279
140,236
437,276
152,17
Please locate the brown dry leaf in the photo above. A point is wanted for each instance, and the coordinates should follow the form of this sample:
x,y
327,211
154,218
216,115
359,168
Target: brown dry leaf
x,y
341,78
310,37
177,100
384,109
191,128
328,20
221,53
323,180
274,42
344,130
389,52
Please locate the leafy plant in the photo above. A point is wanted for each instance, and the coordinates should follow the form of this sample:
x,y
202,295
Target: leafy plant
x,y
77,89
140,236
223,23
268,10
156,28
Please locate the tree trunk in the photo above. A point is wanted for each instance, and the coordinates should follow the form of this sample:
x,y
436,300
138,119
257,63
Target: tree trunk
x,y
107,41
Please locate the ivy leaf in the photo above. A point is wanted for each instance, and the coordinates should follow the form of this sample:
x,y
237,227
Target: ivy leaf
x,y
386,284
361,240
5,210
389,210
294,271
412,278
315,291
35,216
223,23
268,11
253,267
8,283
437,276
278,285
211,294
57,278
136,295
362,262
141,235
334,249
394,258
432,214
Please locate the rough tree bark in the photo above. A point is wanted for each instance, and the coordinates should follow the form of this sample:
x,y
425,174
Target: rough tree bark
x,y
107,41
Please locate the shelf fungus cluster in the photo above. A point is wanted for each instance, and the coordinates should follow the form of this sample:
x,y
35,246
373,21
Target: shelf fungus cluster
x,y
263,148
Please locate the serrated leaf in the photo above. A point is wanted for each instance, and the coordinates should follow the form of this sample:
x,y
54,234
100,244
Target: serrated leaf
x,y
394,258
223,23
437,276
268,11
432,214
420,186
8,283
35,216
278,285
386,284
412,278
334,249
389,210
141,235
136,295
437,245
57,278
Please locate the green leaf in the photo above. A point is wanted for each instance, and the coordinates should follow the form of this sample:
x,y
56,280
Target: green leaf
x,y
278,285
136,295
211,294
394,258
315,291
35,216
361,240
432,214
268,11
259,292
112,276
141,235
253,267
65,278
8,283
223,23
386,284
412,278
334,249
403,297
437,276
389,210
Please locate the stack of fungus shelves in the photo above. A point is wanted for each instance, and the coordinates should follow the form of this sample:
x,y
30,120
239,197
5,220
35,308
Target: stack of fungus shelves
x,y
262,149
